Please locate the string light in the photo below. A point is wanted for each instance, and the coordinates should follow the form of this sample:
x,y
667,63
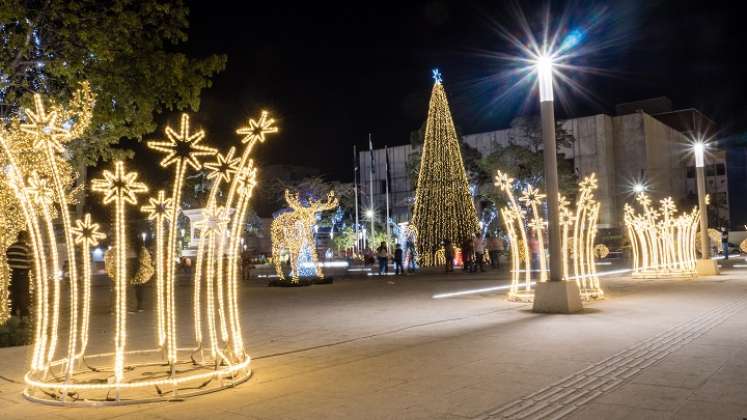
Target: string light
x,y
293,232
158,212
183,150
121,188
87,235
578,244
38,192
663,243
443,207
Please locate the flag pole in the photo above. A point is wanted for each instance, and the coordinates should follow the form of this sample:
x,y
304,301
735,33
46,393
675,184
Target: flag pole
x,y
386,183
370,186
355,189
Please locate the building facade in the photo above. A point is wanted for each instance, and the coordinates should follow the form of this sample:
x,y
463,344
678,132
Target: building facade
x,y
632,147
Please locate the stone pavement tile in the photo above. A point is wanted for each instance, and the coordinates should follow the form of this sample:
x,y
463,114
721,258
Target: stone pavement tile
x,y
680,372
652,397
698,410
716,390
471,402
323,405
519,379
599,411
705,350
731,374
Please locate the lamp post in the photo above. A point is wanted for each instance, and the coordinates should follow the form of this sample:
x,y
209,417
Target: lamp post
x,y
555,295
705,266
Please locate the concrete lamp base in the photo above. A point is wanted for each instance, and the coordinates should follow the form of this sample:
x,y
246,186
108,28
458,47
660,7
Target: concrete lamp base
x,y
557,297
707,267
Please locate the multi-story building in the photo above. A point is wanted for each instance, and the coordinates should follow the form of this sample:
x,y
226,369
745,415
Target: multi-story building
x,y
638,144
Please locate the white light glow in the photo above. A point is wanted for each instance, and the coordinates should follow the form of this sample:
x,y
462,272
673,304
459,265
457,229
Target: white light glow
x,y
699,149
544,77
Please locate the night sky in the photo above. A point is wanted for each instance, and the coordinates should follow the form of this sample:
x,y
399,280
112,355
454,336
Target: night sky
x,y
333,74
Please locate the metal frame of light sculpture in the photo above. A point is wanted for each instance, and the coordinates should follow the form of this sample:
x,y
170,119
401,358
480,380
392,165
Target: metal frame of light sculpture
x,y
64,381
578,231
292,231
662,242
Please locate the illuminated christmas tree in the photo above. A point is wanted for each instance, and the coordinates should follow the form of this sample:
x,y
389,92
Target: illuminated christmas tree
x,y
443,204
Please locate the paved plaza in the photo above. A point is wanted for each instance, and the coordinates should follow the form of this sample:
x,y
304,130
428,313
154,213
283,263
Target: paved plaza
x,y
383,348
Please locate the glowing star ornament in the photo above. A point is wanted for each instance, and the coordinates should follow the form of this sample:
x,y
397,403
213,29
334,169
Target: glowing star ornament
x,y
183,147
258,129
43,127
224,166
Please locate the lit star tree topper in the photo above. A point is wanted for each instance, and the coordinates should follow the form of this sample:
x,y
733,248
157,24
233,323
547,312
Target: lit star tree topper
x,y
121,188
183,150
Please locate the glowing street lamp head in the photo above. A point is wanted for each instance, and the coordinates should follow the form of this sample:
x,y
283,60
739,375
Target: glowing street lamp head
x,y
639,188
544,64
699,149
369,213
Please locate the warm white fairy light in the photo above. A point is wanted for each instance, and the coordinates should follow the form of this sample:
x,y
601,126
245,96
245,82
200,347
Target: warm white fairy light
x,y
237,198
580,245
220,171
292,231
41,195
121,188
158,212
183,150
38,193
87,235
663,243
533,198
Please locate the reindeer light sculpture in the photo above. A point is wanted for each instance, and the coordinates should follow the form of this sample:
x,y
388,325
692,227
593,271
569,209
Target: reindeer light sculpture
x,y
293,232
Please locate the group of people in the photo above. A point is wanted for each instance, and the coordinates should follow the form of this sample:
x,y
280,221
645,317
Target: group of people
x,y
476,251
383,256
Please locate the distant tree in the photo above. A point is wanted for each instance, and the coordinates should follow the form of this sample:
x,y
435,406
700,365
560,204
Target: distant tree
x,y
124,48
523,160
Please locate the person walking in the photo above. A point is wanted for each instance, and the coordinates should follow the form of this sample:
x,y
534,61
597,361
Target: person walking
x,y
725,242
382,255
410,255
143,275
479,253
449,254
534,251
492,245
468,251
398,254
18,256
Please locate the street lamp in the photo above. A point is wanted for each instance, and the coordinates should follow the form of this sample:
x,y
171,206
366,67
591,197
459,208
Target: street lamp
x,y
705,266
555,295
639,188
